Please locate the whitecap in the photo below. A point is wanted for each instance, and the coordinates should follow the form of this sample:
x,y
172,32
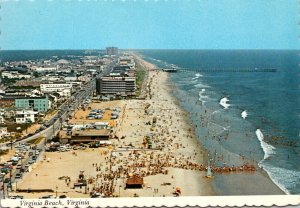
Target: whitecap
x,y
197,76
202,97
200,85
267,148
244,114
223,102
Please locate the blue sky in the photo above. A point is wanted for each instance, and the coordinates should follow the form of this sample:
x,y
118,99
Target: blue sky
x,y
152,24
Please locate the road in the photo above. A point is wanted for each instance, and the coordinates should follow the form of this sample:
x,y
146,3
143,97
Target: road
x,y
52,128
55,124
66,109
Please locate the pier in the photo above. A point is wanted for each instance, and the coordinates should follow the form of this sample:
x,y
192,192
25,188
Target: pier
x,y
220,70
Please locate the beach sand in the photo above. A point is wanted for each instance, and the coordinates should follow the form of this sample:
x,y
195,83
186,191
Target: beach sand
x,y
171,134
173,141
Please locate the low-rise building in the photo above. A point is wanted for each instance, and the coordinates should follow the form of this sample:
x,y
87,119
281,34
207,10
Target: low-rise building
x,y
26,83
126,61
25,116
4,132
40,104
15,75
45,69
2,120
7,101
63,89
85,136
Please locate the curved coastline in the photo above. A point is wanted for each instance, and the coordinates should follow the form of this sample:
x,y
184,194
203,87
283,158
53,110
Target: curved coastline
x,y
258,183
200,185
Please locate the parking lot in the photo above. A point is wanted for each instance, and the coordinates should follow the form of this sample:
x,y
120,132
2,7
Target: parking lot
x,y
18,163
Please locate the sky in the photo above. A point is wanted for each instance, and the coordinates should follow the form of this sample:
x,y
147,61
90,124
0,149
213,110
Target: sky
x,y
149,24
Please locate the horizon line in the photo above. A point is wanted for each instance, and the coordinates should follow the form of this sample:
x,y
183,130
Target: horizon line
x,y
144,49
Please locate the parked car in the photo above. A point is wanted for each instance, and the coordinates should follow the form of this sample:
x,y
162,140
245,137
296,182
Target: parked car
x,y
16,197
18,175
47,197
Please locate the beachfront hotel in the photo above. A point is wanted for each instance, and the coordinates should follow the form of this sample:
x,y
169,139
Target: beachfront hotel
x,y
119,86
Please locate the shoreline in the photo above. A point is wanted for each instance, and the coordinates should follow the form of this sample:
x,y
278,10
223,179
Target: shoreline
x,y
163,88
164,167
176,159
268,186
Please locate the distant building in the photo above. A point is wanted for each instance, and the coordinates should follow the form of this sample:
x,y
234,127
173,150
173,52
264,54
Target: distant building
x,y
126,61
2,120
70,77
40,104
25,116
119,86
45,69
112,51
63,89
63,62
3,132
7,101
15,75
25,83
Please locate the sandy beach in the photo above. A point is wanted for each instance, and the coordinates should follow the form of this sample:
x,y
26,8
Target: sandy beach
x,y
175,160
173,140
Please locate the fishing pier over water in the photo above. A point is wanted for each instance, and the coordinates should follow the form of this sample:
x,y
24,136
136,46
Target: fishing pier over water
x,y
219,70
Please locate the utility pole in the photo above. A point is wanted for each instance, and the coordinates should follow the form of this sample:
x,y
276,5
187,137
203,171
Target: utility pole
x,y
11,143
3,191
35,152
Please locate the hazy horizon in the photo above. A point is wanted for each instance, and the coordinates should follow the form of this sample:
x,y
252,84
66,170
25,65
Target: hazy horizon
x,y
152,24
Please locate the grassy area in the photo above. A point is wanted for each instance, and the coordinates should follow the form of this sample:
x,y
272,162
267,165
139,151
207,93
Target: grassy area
x,y
8,82
12,127
140,76
3,152
36,141
23,87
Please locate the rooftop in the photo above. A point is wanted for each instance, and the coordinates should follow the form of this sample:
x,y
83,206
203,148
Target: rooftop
x,y
91,132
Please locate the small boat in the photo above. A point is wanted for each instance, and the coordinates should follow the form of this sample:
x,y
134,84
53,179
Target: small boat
x,y
209,173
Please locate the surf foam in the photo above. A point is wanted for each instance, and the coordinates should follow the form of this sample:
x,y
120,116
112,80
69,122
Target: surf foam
x,y
199,85
223,102
283,178
267,148
244,114
202,97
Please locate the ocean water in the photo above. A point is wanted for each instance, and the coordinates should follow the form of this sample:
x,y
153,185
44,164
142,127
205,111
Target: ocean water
x,y
242,116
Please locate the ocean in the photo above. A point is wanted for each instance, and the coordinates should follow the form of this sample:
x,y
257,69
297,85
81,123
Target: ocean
x,y
242,111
